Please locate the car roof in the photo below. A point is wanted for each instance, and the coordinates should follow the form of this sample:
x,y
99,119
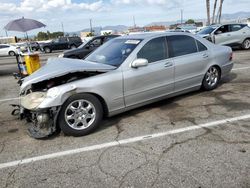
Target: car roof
x,y
148,35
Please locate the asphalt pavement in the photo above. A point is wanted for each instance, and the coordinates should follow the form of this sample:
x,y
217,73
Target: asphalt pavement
x,y
201,139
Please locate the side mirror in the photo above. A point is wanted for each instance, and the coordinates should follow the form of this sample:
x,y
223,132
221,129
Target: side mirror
x,y
139,63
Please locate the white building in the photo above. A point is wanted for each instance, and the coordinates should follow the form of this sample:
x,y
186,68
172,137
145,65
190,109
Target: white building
x,y
105,32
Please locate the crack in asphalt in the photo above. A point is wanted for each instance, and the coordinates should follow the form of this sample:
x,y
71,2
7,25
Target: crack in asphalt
x,y
172,146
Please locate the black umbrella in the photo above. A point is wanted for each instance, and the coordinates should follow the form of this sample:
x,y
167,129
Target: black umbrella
x,y
23,25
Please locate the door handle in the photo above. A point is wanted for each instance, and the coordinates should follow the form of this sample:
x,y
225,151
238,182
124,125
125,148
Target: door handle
x,y
205,56
228,35
168,64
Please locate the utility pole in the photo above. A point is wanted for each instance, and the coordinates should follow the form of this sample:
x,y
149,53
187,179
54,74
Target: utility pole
x,y
90,24
62,28
6,33
181,16
134,21
220,10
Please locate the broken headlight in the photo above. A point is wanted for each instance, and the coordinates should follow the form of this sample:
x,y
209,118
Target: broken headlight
x,y
33,100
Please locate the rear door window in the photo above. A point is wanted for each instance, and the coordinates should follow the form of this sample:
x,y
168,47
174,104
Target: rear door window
x,y
236,27
181,45
154,50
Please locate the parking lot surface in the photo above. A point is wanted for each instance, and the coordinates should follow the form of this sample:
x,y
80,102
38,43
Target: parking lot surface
x,y
201,139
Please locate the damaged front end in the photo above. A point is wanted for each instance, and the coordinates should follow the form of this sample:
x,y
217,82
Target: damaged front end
x,y
41,103
43,93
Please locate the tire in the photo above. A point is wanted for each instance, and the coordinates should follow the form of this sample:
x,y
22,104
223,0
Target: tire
x,y
80,115
211,78
47,50
73,46
246,44
12,53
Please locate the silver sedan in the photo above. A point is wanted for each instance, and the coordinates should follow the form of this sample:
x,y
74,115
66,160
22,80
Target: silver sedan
x,y
125,73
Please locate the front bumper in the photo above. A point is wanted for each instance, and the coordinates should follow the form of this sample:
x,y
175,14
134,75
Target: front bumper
x,y
42,122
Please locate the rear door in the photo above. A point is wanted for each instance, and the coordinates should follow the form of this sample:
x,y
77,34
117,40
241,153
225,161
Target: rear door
x,y
155,80
237,33
190,57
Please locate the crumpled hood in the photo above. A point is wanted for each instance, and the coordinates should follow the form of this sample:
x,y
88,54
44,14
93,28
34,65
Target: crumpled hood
x,y
56,67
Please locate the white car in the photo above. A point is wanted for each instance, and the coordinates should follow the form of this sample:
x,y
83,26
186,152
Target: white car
x,y
6,49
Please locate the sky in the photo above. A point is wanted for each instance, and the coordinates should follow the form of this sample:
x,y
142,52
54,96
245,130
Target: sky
x,y
75,14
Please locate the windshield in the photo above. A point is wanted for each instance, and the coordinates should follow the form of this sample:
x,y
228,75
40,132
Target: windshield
x,y
114,52
207,30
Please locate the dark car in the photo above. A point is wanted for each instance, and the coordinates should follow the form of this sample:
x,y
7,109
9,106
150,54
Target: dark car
x,y
61,43
83,50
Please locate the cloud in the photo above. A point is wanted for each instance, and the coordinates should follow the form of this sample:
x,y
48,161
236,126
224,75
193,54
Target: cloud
x,y
27,6
148,2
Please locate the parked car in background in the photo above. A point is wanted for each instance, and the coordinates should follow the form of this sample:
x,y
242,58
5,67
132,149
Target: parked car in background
x,y
124,73
228,34
61,43
34,46
83,50
6,49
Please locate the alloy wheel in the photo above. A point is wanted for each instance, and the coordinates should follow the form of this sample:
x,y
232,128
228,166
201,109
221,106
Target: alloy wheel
x,y
212,76
80,114
247,44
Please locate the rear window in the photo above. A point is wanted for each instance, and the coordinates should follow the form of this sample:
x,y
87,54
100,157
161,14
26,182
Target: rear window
x,y
181,45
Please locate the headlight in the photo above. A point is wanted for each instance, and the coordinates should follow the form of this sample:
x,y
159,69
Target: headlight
x,y
61,55
53,92
33,100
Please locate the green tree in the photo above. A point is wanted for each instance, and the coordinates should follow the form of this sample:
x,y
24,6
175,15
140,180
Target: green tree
x,y
42,36
90,34
190,21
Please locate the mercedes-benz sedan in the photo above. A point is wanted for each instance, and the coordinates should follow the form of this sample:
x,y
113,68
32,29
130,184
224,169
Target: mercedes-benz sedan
x,y
124,73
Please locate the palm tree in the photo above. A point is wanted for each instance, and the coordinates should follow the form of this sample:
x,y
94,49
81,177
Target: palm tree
x,y
208,11
220,10
215,5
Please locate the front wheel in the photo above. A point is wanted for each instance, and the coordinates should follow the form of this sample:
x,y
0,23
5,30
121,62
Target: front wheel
x,y
246,44
80,115
211,78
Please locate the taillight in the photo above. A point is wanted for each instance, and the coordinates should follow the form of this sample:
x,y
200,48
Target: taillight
x,y
231,56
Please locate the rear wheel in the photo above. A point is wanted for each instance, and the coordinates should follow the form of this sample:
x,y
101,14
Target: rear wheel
x,y
80,115
12,53
246,44
211,79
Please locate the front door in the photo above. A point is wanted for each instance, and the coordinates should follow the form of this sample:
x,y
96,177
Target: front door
x,y
222,35
152,81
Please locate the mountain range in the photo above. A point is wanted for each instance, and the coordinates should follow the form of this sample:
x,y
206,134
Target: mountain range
x,y
120,28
